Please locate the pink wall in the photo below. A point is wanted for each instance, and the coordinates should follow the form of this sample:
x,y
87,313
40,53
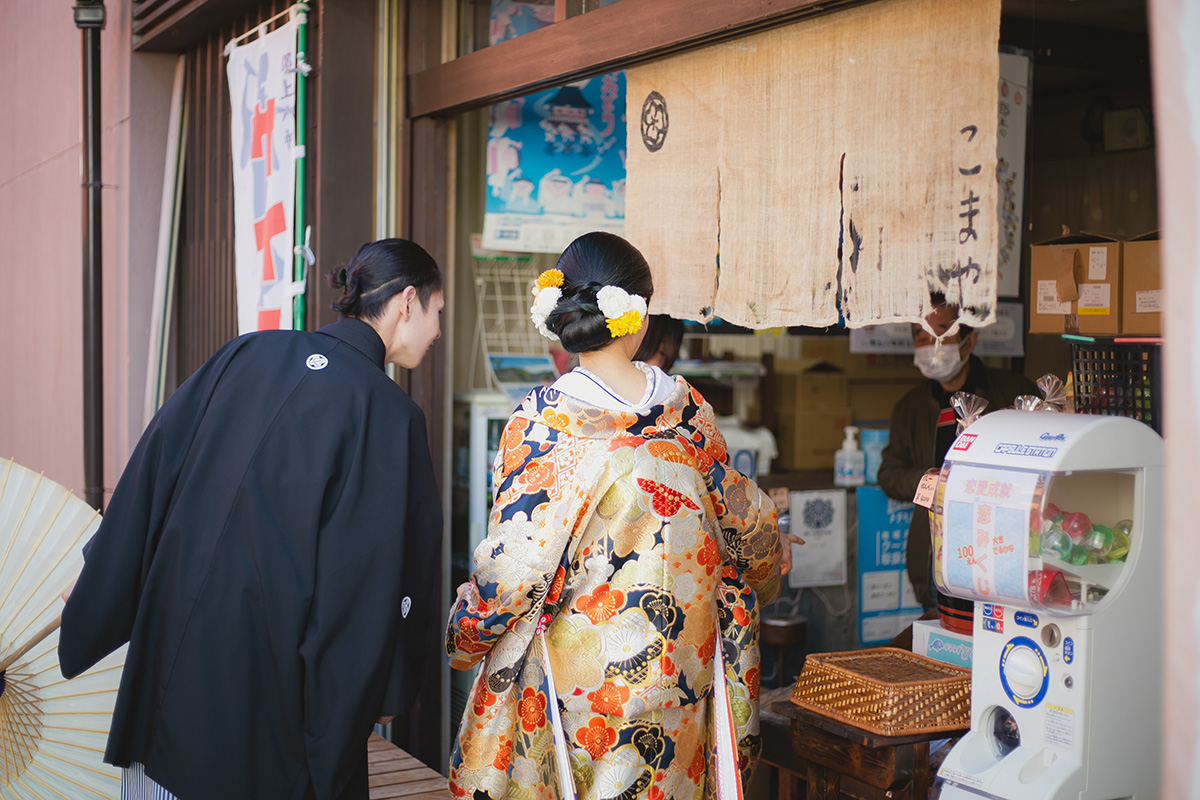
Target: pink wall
x,y
1175,29
41,410
41,338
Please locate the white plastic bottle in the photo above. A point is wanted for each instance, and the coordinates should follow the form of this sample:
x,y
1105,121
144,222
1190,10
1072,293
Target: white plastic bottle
x,y
849,463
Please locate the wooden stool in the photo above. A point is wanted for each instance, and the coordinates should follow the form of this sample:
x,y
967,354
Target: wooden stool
x,y
782,633
394,773
776,730
841,761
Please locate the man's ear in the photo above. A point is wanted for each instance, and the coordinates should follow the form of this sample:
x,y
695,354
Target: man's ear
x,y
407,298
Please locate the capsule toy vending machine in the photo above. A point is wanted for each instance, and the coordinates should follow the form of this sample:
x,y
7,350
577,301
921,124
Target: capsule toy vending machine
x,y
1052,524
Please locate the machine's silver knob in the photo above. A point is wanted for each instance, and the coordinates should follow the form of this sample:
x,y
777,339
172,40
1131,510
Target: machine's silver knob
x,y
1023,670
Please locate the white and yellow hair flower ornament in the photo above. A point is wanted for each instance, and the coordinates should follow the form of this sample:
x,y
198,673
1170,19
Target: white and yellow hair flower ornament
x,y
547,291
623,312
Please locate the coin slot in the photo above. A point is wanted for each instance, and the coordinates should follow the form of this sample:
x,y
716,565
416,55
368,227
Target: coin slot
x,y
1051,635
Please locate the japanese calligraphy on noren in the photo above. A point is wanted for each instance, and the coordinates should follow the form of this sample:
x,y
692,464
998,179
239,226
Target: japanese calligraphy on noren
x,y
965,266
969,232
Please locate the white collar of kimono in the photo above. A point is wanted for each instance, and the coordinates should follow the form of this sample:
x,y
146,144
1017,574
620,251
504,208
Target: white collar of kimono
x,y
587,387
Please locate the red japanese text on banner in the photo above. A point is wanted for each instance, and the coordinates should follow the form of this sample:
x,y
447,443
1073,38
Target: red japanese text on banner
x,y
262,89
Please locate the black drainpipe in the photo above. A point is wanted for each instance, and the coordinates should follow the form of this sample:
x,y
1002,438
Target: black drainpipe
x,y
89,18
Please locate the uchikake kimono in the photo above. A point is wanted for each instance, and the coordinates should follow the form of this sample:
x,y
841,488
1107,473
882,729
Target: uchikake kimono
x,y
629,541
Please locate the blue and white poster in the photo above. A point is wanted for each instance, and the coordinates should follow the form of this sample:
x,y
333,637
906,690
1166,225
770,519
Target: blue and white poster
x,y
556,166
513,18
886,604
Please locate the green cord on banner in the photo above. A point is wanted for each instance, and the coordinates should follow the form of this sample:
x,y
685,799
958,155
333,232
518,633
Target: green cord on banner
x,y
298,268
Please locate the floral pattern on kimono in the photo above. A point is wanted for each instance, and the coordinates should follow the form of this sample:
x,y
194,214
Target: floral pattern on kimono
x,y
631,540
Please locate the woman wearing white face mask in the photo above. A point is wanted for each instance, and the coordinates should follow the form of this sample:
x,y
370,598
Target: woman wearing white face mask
x,y
924,425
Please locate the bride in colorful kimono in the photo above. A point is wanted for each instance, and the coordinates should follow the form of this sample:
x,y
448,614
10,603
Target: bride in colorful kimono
x,y
614,602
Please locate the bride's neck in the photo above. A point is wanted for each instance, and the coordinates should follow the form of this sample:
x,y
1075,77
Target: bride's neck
x,y
614,367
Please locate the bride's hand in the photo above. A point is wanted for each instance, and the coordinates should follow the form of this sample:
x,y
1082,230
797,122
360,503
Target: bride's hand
x,y
787,540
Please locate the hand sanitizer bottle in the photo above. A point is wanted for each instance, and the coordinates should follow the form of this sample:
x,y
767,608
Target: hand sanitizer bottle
x,y
849,463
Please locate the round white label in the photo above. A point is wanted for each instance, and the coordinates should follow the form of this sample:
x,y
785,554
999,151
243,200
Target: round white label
x,y
316,361
405,605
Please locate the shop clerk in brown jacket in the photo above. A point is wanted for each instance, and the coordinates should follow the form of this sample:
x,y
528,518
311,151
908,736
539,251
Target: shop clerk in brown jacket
x,y
924,425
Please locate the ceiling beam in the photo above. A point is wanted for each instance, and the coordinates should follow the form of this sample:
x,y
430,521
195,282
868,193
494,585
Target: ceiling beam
x,y
173,25
1078,46
606,39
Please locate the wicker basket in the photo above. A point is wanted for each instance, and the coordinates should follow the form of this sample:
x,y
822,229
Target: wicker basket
x,y
886,691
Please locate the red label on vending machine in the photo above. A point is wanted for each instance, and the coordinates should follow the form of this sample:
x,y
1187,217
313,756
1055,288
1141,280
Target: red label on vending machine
x,y
993,618
964,441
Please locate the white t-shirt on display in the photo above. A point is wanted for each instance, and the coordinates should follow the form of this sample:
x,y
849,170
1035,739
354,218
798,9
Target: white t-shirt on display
x,y
750,449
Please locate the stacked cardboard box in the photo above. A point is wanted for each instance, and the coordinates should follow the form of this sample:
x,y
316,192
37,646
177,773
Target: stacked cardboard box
x,y
873,401
1142,298
1096,285
827,388
1075,285
877,382
811,411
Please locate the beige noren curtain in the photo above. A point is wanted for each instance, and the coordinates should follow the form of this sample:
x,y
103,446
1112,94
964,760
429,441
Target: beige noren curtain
x,y
872,129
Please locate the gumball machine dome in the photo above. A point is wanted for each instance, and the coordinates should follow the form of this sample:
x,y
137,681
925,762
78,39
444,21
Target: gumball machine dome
x,y
1052,524
1018,526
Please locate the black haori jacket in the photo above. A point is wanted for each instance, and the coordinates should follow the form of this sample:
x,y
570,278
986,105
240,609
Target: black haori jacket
x,y
271,555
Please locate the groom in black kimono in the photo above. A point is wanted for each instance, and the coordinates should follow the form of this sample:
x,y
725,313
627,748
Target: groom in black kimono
x,y
271,554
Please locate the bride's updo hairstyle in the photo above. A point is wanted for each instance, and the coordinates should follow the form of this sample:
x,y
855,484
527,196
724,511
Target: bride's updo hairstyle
x,y
590,263
379,271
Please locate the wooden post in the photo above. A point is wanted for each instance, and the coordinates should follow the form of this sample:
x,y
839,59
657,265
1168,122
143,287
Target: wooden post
x,y
564,9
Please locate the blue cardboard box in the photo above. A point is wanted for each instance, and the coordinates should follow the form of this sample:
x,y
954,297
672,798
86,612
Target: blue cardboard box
x,y
931,640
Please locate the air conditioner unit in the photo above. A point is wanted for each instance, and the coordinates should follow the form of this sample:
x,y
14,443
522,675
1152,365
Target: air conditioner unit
x,y
1126,129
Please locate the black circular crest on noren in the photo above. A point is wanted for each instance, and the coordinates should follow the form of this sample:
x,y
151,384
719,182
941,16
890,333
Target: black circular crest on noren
x,y
654,122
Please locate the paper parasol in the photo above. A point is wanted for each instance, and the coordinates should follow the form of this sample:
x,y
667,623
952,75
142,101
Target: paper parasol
x,y
52,731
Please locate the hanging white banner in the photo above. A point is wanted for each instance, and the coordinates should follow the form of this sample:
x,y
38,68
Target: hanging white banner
x,y
1010,169
262,89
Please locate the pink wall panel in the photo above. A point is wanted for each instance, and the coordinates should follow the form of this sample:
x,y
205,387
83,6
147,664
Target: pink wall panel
x,y
46,50
1174,27
41,397
41,407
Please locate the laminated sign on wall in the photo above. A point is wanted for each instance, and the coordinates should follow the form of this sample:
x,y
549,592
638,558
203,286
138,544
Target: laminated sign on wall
x,y
837,168
819,518
556,166
263,79
886,603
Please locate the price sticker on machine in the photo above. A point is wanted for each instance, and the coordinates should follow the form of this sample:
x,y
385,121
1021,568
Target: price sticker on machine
x,y
926,489
985,522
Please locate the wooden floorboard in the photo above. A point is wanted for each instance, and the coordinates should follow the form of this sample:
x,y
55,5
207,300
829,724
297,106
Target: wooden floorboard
x,y
391,792
393,773
407,776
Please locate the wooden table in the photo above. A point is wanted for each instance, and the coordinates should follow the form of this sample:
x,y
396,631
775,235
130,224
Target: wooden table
x,y
394,773
835,760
